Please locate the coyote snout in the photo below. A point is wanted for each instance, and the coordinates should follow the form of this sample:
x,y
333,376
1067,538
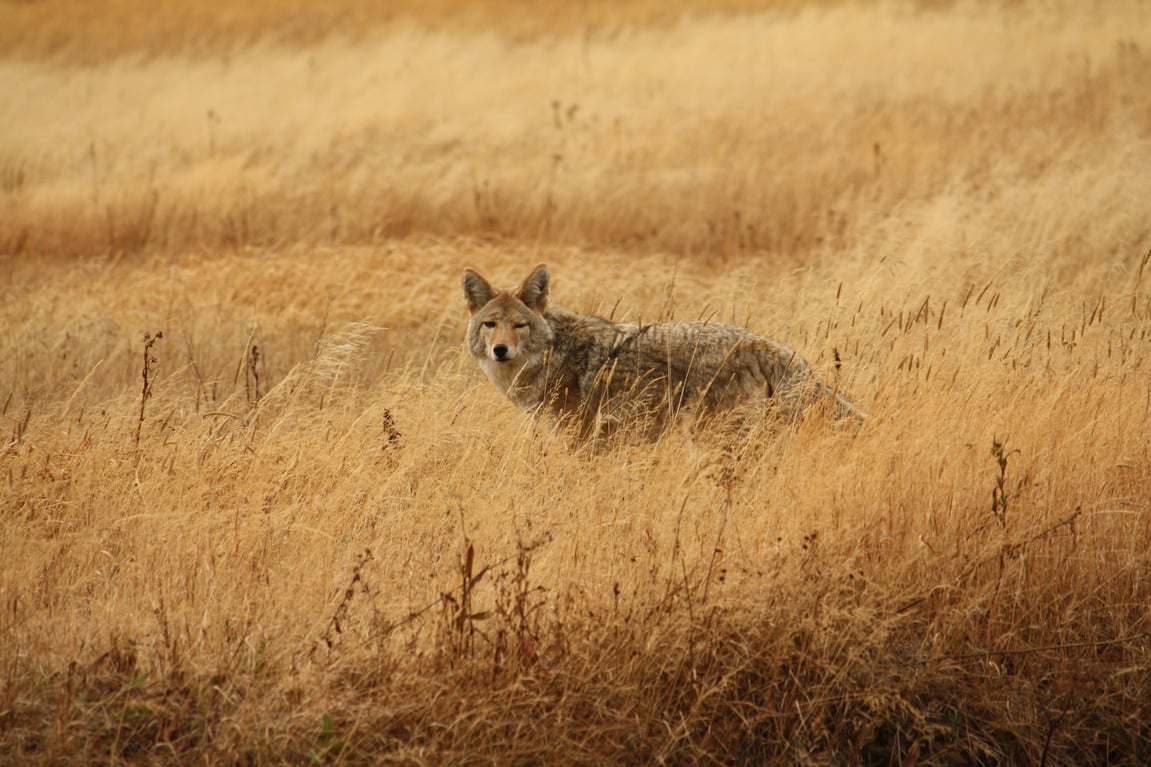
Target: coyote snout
x,y
597,374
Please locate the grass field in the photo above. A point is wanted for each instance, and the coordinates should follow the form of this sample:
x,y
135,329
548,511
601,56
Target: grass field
x,y
258,506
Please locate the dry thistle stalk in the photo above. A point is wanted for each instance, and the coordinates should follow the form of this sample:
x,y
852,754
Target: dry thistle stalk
x,y
999,491
252,374
149,375
334,626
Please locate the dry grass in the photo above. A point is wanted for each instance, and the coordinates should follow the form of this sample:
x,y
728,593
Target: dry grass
x,y
298,527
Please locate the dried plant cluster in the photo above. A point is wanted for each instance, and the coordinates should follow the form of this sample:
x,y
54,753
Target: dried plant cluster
x,y
258,505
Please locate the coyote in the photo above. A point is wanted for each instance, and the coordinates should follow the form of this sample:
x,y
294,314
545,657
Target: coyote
x,y
597,375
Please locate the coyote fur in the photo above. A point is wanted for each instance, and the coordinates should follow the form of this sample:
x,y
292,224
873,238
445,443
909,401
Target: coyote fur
x,y
597,375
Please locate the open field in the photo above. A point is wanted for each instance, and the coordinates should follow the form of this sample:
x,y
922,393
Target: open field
x,y
257,506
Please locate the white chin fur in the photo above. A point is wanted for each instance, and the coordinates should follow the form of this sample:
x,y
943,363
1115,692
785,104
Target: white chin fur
x,y
502,374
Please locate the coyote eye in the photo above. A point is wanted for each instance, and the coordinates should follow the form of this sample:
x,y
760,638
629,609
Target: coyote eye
x,y
521,325
489,324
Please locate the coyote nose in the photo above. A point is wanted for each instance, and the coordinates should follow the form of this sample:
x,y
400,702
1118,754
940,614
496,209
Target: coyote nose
x,y
500,351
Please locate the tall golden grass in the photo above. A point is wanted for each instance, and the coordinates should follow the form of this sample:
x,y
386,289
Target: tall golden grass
x,y
259,507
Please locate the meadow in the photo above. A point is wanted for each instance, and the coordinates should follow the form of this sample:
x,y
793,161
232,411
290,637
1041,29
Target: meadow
x,y
258,506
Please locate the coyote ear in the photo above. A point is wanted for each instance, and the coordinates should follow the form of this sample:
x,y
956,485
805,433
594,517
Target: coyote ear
x,y
477,291
534,292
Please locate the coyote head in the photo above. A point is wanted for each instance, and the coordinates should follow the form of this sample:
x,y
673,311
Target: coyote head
x,y
508,331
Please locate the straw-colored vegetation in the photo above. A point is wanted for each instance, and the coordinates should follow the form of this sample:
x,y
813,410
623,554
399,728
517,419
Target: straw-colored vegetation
x,y
258,507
